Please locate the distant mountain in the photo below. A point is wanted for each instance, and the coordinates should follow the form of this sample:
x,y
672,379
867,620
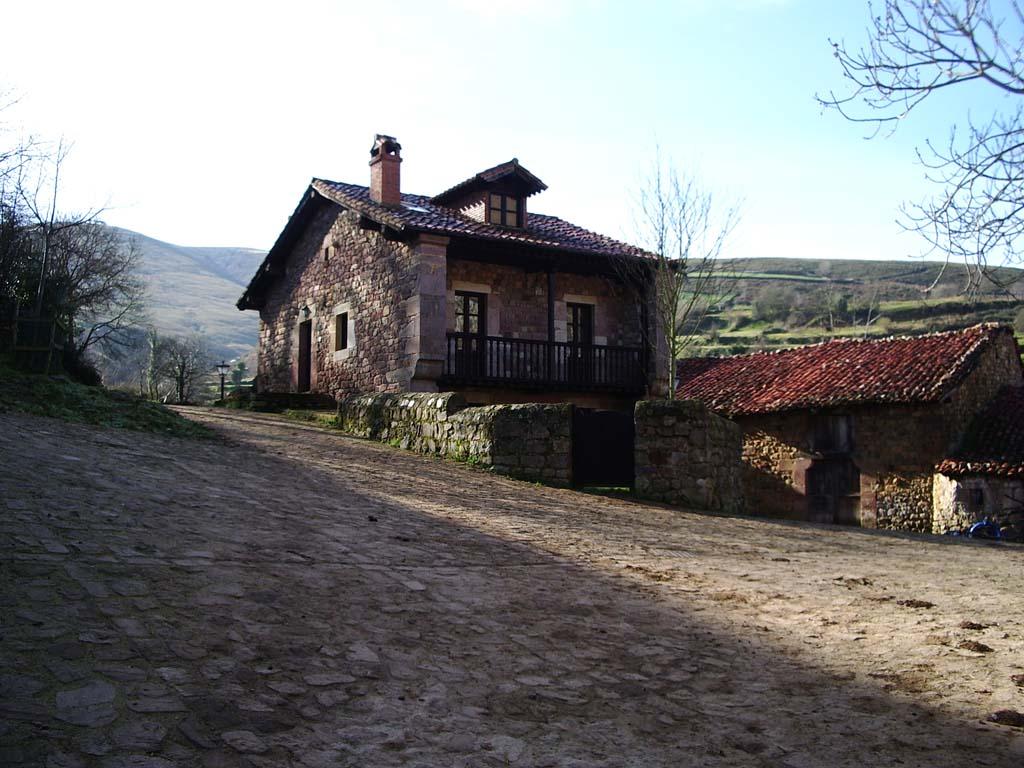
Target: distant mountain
x,y
194,290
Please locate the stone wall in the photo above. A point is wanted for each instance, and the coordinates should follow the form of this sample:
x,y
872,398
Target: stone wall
x,y
688,456
1002,498
518,305
894,450
903,501
385,287
948,514
997,367
413,421
774,450
529,441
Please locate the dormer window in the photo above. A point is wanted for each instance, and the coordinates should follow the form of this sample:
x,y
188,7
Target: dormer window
x,y
504,210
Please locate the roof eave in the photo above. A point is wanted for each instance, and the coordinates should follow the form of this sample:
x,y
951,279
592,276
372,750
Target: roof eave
x,y
288,235
549,245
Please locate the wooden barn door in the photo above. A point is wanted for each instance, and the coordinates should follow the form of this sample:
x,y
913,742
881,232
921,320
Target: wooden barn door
x,y
833,491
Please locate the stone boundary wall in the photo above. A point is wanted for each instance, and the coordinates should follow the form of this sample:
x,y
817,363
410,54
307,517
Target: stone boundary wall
x,y
531,441
903,501
688,456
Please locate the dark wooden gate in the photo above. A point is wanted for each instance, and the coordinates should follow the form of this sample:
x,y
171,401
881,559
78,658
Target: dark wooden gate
x,y
305,355
833,491
39,344
602,448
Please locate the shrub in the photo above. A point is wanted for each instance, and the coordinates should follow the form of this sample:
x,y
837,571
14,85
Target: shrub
x,y
80,369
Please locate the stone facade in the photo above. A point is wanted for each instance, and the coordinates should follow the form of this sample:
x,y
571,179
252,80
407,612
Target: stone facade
x,y
399,302
903,500
688,456
963,500
529,441
517,302
999,366
337,266
894,451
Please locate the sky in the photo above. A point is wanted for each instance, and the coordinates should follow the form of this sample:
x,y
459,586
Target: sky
x,y
201,123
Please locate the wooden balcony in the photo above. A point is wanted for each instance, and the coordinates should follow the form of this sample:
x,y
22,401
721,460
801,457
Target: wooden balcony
x,y
525,363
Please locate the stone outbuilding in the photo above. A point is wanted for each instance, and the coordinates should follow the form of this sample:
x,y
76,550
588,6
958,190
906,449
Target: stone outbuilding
x,y
985,475
853,431
370,289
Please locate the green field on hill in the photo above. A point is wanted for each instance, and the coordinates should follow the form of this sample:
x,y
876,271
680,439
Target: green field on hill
x,y
780,303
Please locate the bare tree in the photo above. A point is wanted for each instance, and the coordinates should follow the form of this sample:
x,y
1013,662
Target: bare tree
x,y
125,365
684,230
919,49
871,313
39,198
185,361
86,273
95,284
829,301
15,246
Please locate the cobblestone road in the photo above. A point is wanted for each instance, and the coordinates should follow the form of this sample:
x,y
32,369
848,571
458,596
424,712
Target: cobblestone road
x,y
291,597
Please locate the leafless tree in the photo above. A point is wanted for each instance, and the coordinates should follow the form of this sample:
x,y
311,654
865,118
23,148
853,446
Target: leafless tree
x,y
918,50
38,189
95,284
86,272
871,313
16,251
683,228
15,151
185,361
829,301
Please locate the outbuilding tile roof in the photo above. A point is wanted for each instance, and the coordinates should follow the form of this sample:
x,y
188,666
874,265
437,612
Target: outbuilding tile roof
x,y
994,442
918,369
418,214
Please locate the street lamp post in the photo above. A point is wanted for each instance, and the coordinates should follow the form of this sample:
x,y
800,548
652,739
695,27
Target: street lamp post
x,y
222,369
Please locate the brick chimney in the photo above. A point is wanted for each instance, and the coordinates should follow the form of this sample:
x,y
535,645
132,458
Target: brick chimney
x,y
385,173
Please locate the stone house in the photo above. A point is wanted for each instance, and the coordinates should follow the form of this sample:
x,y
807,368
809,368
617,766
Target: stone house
x,y
985,475
372,289
852,431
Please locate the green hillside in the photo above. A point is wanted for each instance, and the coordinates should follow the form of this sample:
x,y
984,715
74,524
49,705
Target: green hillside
x,y
772,303
777,303
194,290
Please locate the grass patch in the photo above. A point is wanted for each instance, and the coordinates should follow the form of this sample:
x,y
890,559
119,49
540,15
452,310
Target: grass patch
x,y
59,398
612,491
319,418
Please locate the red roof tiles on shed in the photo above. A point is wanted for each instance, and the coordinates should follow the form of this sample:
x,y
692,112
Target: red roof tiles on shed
x,y
994,442
918,369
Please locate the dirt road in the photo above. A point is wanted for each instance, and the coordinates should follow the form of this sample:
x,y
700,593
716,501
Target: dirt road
x,y
291,597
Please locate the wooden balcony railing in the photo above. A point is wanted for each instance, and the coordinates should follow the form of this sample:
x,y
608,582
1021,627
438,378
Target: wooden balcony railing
x,y
492,360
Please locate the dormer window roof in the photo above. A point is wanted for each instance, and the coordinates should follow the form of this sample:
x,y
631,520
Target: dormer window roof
x,y
506,179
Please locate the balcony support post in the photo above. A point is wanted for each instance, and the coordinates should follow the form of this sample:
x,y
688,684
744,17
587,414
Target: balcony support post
x,y
551,324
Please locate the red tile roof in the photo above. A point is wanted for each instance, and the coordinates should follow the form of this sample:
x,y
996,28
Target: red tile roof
x,y
491,175
419,214
918,369
994,442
